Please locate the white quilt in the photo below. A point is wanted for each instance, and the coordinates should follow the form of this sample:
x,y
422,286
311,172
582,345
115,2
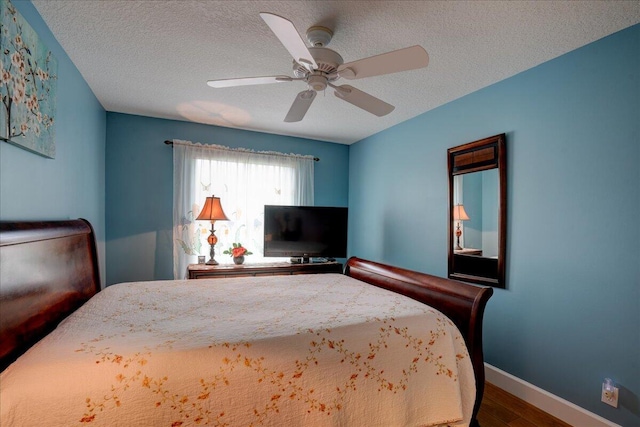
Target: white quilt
x,y
302,350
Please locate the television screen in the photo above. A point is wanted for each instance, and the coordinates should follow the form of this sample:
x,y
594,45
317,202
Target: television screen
x,y
305,231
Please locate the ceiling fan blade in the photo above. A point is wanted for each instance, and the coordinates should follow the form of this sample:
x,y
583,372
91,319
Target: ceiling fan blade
x,y
290,39
300,106
245,81
363,100
409,58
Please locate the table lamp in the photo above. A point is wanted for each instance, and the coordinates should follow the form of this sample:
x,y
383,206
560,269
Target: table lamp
x,y
459,214
212,211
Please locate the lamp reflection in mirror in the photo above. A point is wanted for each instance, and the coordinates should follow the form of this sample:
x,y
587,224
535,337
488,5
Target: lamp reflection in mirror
x,y
459,214
212,211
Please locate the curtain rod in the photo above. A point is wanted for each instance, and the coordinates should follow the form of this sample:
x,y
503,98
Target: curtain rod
x,y
170,142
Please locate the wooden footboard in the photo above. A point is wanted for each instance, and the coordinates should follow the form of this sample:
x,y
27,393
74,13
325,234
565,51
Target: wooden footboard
x,y
47,270
464,304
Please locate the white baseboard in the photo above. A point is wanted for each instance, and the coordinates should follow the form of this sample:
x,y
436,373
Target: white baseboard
x,y
566,411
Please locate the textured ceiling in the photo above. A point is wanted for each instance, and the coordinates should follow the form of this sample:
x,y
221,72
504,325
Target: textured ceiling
x,y
153,58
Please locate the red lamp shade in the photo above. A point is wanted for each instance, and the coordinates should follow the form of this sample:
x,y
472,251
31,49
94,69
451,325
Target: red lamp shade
x,y
212,210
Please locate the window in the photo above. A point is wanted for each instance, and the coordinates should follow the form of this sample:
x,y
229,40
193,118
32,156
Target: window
x,y
245,181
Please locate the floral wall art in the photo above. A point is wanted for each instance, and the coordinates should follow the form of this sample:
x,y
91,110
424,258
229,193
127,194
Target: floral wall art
x,y
28,77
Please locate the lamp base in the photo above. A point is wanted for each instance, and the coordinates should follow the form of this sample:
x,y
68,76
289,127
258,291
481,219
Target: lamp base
x,y
212,240
458,234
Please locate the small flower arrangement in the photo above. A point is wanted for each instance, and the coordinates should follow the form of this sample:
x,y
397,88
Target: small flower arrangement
x,y
237,250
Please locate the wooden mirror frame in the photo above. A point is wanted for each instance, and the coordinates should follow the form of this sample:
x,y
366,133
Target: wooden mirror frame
x,y
484,154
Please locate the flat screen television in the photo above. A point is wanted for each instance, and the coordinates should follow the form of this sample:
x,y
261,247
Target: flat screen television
x,y
305,231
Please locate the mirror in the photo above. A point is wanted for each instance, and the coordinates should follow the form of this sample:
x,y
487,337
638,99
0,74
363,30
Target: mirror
x,y
477,211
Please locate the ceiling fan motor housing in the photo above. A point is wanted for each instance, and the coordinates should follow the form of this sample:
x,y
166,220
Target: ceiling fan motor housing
x,y
328,61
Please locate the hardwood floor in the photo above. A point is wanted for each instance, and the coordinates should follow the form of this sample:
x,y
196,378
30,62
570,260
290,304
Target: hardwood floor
x,y
502,409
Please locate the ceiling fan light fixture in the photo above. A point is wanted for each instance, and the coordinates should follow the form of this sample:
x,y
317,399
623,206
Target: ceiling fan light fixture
x,y
317,83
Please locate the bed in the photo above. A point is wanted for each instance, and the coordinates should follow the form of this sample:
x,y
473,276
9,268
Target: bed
x,y
355,354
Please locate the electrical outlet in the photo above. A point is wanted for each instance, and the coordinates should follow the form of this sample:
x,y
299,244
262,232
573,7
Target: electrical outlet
x,y
609,393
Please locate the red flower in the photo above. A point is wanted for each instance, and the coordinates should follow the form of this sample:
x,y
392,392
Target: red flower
x,y
236,252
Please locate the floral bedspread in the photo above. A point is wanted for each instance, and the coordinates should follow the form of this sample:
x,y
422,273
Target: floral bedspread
x,y
302,350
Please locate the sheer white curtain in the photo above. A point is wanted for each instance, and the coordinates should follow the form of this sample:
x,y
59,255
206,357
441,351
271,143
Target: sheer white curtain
x,y
245,181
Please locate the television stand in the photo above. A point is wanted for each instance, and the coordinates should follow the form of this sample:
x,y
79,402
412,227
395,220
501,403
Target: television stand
x,y
310,260
204,271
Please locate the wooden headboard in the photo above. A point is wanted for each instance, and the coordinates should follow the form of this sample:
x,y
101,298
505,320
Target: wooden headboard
x,y
47,270
463,303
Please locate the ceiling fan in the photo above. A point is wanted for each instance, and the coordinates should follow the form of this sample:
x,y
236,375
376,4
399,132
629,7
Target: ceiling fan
x,y
320,67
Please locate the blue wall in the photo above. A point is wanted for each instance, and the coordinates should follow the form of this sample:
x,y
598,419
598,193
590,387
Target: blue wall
x,y
139,195
570,315
73,184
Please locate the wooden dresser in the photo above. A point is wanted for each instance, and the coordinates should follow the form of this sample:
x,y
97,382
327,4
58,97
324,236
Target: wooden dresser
x,y
204,271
